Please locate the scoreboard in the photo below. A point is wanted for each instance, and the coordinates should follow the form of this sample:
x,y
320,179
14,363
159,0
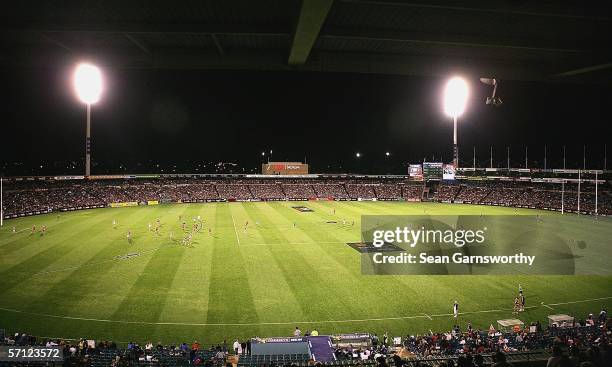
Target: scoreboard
x,y
433,170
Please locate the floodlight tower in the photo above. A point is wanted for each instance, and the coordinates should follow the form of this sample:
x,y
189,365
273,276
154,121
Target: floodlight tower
x,y
455,99
88,87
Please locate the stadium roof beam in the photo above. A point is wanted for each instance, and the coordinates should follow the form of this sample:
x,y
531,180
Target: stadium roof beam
x,y
217,44
138,43
56,42
312,16
533,9
588,69
481,41
319,60
143,28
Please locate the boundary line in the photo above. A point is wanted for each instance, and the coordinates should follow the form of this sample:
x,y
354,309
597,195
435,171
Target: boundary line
x,y
116,258
284,322
294,243
234,224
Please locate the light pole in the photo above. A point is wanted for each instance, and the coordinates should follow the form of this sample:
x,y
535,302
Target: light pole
x,y
88,86
455,99
1,202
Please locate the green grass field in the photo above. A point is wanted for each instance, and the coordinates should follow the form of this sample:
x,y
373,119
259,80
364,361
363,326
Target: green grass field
x,y
230,284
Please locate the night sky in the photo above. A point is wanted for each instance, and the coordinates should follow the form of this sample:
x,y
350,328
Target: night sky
x,y
171,117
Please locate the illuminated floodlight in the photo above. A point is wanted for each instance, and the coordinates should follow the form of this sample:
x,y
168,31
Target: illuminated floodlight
x,y
88,83
357,154
455,97
387,154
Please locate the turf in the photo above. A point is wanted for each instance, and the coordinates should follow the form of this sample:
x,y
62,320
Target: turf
x,y
290,268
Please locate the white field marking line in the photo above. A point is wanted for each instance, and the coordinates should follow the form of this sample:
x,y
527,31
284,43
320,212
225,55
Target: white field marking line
x,y
572,302
10,232
293,243
281,323
117,258
547,306
234,223
429,317
16,233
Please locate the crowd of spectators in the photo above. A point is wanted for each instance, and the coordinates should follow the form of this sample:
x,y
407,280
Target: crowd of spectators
x,y
412,192
27,197
447,193
360,191
267,191
84,352
337,191
299,191
528,194
388,191
588,341
234,191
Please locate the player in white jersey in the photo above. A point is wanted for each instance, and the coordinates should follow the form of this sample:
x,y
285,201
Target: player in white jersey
x,y
456,310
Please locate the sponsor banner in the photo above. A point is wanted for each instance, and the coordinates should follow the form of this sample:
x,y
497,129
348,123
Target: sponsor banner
x,y
59,178
109,177
125,204
281,340
415,171
351,336
448,172
284,168
152,202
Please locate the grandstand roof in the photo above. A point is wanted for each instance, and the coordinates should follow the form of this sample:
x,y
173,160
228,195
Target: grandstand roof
x,y
520,40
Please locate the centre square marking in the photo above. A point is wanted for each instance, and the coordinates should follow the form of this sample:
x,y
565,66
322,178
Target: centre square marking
x,y
303,209
127,256
367,247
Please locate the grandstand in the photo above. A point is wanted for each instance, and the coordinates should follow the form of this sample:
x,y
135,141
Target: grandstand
x,y
43,195
24,197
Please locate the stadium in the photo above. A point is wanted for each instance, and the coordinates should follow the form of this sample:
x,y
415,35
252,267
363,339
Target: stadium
x,y
281,241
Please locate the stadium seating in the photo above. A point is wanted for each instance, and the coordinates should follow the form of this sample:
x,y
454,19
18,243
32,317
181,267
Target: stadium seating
x,y
433,349
298,191
388,191
26,197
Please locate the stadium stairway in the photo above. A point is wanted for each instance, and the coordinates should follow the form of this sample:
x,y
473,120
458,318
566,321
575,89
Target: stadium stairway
x,y
321,348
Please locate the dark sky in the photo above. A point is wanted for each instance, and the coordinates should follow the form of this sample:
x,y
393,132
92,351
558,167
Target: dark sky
x,y
173,116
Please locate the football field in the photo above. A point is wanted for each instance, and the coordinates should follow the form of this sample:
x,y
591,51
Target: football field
x,y
288,268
